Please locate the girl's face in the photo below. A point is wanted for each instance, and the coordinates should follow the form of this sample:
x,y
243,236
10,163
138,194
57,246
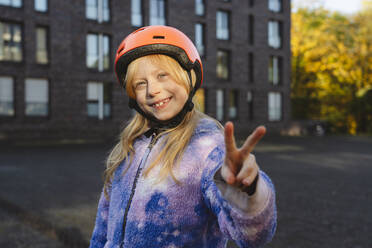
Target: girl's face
x,y
156,91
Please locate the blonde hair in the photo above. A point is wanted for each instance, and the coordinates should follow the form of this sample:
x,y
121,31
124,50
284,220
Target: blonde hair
x,y
173,144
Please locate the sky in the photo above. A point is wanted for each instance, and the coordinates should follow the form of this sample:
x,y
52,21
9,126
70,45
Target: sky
x,y
344,6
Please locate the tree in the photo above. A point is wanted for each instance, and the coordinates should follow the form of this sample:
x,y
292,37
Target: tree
x,y
331,63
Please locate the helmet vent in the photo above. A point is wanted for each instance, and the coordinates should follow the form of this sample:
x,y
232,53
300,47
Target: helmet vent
x,y
158,37
140,29
121,49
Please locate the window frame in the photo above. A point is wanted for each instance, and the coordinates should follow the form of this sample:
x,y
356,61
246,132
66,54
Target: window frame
x,y
251,29
203,36
105,90
47,103
100,49
46,29
272,69
13,97
251,67
99,8
275,114
233,99
275,35
228,66
220,109
275,6
200,7
141,13
223,33
11,4
12,43
154,20
250,101
41,10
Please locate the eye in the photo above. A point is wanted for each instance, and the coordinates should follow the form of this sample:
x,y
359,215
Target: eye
x,y
162,75
139,84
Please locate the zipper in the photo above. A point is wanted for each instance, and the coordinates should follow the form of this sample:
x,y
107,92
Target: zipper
x,y
143,161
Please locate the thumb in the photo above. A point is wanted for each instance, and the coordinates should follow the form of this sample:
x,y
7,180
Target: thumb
x,y
227,175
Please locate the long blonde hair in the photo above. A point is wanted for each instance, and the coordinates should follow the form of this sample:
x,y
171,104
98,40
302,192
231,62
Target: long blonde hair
x,y
176,140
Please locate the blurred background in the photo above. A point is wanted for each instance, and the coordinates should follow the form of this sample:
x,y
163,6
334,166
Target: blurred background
x,y
302,68
331,64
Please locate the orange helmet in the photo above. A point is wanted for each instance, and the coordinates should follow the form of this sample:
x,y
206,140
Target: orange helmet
x,y
158,40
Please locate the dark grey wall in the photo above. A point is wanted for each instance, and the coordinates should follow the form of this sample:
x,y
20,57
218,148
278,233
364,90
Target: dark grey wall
x,y
68,75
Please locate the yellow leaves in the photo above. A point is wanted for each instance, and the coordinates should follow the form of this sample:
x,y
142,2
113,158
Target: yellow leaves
x,y
352,124
332,60
363,91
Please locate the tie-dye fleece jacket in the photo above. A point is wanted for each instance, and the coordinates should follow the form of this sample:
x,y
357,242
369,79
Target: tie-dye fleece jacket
x,y
141,212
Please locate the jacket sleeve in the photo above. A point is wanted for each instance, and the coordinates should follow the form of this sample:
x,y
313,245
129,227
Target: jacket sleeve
x,y
99,236
249,226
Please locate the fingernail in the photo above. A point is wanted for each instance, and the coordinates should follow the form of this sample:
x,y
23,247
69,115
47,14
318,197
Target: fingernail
x,y
246,182
231,180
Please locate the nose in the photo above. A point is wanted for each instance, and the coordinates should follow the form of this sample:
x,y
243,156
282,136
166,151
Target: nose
x,y
153,88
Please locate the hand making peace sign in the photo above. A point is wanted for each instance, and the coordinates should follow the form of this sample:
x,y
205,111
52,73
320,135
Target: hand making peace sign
x,y
240,168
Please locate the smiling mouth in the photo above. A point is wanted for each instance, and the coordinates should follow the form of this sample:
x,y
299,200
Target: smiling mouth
x,y
160,103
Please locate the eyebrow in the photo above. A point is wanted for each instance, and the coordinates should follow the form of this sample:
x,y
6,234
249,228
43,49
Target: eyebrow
x,y
154,72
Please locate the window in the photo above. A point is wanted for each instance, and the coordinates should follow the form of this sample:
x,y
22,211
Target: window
x,y
99,100
91,9
11,3
157,12
223,60
275,5
98,10
6,96
199,38
41,45
250,104
222,27
36,97
105,10
275,70
274,34
251,67
251,29
41,5
233,104
98,51
219,104
200,100
275,106
199,7
137,13
10,42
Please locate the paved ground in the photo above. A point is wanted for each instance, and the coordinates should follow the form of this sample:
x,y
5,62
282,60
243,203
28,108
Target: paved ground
x,y
48,195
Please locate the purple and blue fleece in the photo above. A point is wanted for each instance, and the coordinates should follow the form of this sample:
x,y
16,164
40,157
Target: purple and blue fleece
x,y
190,214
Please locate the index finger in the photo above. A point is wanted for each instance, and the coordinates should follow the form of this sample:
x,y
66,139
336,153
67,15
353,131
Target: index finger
x,y
252,140
229,138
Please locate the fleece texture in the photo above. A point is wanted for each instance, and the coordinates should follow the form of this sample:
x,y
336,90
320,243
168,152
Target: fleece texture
x,y
193,213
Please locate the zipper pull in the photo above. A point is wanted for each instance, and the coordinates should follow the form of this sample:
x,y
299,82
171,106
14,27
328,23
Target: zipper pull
x,y
153,140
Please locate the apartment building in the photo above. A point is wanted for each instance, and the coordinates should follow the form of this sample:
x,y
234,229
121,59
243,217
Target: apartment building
x,y
56,63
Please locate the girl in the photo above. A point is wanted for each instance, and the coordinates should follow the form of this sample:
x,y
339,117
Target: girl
x,y
174,179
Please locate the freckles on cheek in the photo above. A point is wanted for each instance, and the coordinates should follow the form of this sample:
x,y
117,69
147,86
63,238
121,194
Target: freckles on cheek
x,y
141,99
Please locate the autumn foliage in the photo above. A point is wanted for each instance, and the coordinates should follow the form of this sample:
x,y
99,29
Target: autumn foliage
x,y
332,68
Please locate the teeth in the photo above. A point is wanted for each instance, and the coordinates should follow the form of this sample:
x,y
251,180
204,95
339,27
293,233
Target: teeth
x,y
161,103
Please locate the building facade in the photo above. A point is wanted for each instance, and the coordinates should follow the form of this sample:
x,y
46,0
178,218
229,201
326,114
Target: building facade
x,y
56,63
